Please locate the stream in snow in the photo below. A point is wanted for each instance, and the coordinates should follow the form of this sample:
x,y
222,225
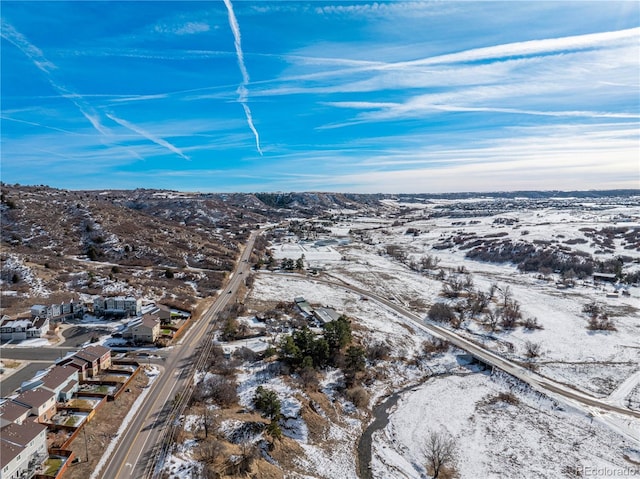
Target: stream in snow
x,y
381,418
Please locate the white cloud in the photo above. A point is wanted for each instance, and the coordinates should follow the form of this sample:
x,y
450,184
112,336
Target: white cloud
x,y
34,54
599,156
186,28
571,56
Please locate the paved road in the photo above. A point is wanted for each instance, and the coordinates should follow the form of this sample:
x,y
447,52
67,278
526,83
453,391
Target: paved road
x,y
11,383
538,382
136,445
45,358
42,353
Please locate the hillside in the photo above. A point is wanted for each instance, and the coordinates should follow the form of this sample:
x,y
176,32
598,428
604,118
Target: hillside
x,y
144,242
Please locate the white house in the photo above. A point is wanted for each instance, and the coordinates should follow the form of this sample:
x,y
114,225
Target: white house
x,y
23,449
117,305
19,329
40,310
62,381
11,411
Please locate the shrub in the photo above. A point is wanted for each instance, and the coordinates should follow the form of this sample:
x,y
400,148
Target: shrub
x,y
222,390
358,396
434,346
378,351
601,323
266,401
441,312
532,323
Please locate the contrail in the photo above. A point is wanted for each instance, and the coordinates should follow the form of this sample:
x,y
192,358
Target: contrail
x,y
243,93
154,139
34,54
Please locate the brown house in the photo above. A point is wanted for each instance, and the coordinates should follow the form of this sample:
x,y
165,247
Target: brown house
x,y
143,330
79,364
93,362
103,353
95,358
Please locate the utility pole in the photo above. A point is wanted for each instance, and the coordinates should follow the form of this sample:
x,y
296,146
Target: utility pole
x,y
86,447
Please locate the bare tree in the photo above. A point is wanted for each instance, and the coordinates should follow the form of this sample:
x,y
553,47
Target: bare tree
x,y
506,295
440,452
532,350
510,314
492,290
532,323
452,287
429,262
492,318
210,451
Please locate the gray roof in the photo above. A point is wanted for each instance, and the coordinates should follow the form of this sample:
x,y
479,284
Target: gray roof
x,y
58,375
8,452
97,350
326,315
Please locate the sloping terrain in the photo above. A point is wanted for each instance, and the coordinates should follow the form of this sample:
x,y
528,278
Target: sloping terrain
x,y
157,244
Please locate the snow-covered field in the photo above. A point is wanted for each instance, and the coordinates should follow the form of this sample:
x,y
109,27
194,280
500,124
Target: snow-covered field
x,y
535,437
501,428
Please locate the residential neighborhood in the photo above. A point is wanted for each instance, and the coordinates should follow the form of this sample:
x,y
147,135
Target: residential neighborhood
x,y
55,402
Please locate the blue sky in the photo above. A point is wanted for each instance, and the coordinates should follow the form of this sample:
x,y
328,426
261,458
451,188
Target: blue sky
x,y
321,96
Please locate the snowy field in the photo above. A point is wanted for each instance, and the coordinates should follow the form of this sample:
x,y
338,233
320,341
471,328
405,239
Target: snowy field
x,y
501,428
535,437
565,341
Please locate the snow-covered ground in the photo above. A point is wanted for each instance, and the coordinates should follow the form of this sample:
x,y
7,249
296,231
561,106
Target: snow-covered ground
x,y
535,437
501,428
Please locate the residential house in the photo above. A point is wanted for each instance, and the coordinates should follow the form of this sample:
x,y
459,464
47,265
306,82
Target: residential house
x,y
89,361
79,364
62,381
14,329
304,307
117,306
608,277
39,328
58,312
103,353
325,315
145,329
23,449
93,362
72,310
26,328
41,401
40,310
11,411
162,312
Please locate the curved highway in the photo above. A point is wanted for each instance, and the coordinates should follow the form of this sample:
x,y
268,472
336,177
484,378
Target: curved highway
x,y
536,381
